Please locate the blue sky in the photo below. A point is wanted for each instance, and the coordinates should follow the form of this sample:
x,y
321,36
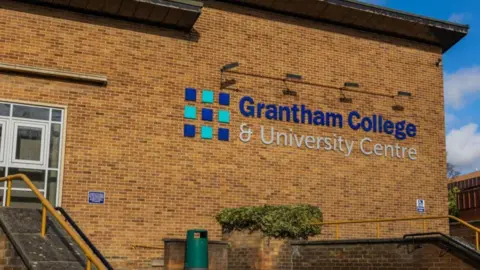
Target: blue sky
x,y
462,76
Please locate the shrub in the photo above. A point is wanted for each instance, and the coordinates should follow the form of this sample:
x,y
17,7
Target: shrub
x,y
285,221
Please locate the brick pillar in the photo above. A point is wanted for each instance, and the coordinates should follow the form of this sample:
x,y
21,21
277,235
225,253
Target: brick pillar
x,y
255,251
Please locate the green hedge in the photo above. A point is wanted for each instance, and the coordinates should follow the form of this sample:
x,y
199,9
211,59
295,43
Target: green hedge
x,y
285,221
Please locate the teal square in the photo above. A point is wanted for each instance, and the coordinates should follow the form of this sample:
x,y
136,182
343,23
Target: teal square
x,y
207,96
207,132
223,116
190,112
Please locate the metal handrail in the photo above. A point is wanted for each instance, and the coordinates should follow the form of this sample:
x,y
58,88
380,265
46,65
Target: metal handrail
x,y
91,258
84,237
424,218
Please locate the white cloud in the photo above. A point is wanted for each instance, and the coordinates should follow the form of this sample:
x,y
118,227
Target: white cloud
x,y
459,17
461,84
463,147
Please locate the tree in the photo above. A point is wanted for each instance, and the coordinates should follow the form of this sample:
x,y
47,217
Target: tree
x,y
452,202
452,171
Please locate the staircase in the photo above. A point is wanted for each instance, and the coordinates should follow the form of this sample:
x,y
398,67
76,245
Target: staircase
x,y
21,231
44,239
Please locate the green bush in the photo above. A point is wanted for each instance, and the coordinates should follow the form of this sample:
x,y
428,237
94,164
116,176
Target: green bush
x,y
292,221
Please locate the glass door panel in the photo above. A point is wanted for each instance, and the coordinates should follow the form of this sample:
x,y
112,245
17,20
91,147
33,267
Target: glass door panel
x,y
29,143
24,199
36,176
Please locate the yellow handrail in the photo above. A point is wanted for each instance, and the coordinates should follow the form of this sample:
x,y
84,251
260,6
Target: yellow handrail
x,y
424,218
91,258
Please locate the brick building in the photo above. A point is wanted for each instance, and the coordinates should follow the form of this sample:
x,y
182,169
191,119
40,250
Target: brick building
x,y
468,198
142,102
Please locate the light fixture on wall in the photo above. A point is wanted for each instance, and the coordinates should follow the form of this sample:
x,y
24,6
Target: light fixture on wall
x,y
226,83
405,94
351,84
290,76
229,66
397,107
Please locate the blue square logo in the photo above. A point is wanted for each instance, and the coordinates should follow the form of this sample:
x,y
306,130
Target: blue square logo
x,y
207,114
188,130
190,94
224,99
223,116
190,112
223,134
207,96
207,132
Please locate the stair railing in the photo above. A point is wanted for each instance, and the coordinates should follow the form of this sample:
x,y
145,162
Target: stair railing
x,y
47,206
85,238
377,222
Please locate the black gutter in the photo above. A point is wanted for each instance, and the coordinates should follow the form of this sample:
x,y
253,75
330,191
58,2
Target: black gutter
x,y
85,238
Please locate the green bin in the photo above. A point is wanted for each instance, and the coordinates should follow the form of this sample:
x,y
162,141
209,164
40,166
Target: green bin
x,y
196,250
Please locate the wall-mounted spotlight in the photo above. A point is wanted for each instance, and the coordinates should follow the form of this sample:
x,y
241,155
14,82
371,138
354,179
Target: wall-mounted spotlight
x,y
398,108
346,100
405,94
293,76
227,83
439,62
351,84
289,92
230,66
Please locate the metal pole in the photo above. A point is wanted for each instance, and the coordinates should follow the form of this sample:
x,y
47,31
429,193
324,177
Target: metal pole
x,y
477,241
44,221
9,192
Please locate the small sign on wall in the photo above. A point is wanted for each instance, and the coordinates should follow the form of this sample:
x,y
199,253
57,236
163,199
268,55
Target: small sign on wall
x,y
96,197
420,206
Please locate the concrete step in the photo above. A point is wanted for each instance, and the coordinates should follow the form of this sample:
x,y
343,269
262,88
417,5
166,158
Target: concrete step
x,y
56,251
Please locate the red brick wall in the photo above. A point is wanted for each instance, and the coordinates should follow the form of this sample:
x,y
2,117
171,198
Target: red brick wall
x,y
127,138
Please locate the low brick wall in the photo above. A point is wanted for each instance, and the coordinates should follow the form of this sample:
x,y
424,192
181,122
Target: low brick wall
x,y
461,231
9,258
175,254
255,251
373,254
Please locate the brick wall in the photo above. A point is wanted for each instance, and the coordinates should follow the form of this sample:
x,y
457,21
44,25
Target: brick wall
x,y
127,138
9,258
375,256
175,254
464,233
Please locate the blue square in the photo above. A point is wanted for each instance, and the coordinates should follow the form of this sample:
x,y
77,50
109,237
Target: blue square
x,y
223,134
207,114
190,94
189,130
224,99
190,112
207,96
223,116
207,132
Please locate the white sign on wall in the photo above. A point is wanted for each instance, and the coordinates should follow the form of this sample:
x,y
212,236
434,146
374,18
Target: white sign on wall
x,y
420,206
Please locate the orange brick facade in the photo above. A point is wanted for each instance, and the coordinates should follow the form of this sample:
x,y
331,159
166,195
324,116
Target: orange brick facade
x,y
127,138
